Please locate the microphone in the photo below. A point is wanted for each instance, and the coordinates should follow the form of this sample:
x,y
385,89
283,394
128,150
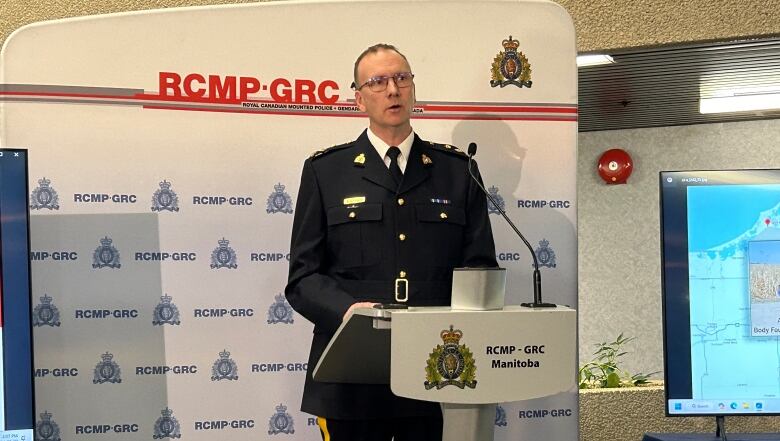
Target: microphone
x,y
537,303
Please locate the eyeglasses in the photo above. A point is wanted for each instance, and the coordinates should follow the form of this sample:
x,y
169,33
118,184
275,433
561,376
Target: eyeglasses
x,y
379,84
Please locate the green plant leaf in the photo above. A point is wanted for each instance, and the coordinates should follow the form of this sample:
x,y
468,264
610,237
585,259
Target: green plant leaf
x,y
613,380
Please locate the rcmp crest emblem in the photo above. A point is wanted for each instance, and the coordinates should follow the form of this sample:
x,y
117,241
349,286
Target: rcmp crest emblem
x,y
223,256
45,313
166,426
106,255
492,209
500,416
280,311
165,199
510,67
450,364
47,429
545,254
44,196
166,313
281,422
224,368
107,370
279,201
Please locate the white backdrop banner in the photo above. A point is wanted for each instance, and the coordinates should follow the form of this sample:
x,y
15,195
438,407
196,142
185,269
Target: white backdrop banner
x,y
165,154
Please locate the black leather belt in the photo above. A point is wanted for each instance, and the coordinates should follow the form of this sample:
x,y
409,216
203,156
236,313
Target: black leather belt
x,y
415,293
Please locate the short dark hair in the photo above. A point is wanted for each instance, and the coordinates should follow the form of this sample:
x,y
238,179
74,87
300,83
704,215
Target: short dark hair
x,y
372,50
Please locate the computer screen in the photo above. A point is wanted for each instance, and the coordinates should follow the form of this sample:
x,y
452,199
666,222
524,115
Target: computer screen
x,y
17,418
720,246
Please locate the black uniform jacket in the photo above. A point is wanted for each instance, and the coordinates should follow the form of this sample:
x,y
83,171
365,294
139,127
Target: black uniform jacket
x,y
355,232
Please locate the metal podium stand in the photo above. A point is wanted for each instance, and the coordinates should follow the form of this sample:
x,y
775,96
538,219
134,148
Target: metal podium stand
x,y
462,356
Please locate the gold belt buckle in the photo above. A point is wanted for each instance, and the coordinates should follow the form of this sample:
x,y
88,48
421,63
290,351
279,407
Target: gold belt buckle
x,y
401,290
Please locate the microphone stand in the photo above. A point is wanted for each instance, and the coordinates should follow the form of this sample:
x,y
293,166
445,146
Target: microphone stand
x,y
537,276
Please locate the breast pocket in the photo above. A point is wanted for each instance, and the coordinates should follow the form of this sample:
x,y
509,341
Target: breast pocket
x,y
442,226
352,235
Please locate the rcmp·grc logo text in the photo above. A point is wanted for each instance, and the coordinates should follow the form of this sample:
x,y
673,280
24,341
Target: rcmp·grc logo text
x,y
59,256
223,256
279,201
162,256
167,426
165,199
45,313
281,422
107,370
47,429
106,255
105,197
44,196
224,424
222,200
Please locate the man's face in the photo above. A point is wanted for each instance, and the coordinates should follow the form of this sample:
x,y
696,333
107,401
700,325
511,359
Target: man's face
x,y
392,107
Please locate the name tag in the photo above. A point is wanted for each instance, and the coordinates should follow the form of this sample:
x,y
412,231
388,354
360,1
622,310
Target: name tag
x,y
354,200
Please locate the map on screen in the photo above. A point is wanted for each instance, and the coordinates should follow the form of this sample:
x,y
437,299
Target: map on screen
x,y
734,288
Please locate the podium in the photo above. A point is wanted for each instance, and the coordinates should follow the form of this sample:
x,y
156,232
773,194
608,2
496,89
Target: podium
x,y
466,357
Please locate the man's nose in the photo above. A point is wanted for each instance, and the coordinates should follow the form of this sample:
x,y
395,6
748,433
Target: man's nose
x,y
392,88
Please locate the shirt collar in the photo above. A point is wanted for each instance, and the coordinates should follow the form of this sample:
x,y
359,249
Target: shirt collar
x,y
381,147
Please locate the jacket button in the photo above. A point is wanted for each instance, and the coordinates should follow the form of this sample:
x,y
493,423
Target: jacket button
x,y
401,201
402,274
443,215
352,214
402,237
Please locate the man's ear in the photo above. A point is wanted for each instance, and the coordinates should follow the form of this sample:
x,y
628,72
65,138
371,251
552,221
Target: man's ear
x,y
359,101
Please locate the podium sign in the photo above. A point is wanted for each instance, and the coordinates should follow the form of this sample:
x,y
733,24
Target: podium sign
x,y
482,357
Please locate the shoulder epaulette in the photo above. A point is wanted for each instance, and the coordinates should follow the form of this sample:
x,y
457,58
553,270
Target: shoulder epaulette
x,y
323,152
447,148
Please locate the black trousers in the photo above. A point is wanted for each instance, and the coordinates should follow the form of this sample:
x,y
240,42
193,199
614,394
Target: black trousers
x,y
396,429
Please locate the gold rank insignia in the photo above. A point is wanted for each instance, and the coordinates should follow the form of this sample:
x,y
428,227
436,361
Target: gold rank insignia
x,y
360,159
510,66
354,200
426,160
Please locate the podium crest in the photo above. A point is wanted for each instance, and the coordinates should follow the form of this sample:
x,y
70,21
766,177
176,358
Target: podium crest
x,y
450,364
510,67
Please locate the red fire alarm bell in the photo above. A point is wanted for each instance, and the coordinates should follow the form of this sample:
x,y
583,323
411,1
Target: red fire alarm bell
x,y
615,166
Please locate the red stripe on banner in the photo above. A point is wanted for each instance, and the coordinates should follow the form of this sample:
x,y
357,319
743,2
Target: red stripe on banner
x,y
361,115
429,107
481,108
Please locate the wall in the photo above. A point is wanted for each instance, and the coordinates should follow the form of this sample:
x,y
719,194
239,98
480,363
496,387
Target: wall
x,y
600,24
619,239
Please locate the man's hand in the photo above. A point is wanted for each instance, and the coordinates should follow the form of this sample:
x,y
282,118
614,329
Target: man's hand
x,y
357,305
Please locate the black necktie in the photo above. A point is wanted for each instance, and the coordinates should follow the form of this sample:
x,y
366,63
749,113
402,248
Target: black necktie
x,y
395,170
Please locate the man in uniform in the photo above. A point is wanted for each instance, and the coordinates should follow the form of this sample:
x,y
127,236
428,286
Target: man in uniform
x,y
385,219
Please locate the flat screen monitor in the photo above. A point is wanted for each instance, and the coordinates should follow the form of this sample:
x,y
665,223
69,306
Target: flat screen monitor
x,y
720,246
17,418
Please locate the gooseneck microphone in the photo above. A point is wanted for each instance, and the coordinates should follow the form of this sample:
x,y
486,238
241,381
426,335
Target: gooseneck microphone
x,y
537,303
